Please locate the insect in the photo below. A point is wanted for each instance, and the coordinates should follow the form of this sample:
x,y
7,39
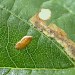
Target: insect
x,y
23,42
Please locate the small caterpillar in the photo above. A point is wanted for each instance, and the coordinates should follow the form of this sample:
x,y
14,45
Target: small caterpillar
x,y
55,32
23,42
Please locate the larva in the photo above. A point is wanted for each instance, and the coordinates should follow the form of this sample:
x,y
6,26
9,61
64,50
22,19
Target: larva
x,y
55,32
23,42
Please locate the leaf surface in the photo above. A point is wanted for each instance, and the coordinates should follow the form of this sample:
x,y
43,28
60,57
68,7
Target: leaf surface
x,y
42,52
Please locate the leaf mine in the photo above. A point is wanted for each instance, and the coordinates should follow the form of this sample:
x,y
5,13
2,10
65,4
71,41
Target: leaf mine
x,y
55,32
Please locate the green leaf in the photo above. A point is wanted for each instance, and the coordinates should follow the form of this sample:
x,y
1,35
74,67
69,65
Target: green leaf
x,y
42,52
